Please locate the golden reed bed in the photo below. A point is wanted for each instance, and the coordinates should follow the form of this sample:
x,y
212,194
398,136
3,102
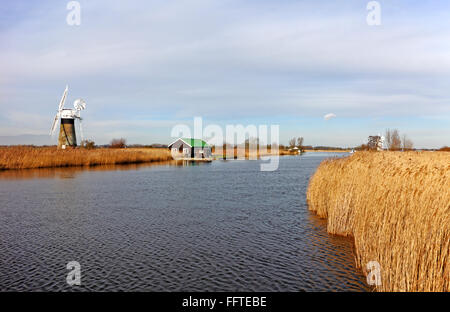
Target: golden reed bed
x,y
23,157
397,208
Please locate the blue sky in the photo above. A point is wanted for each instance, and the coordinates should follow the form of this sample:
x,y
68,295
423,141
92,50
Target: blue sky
x,y
144,66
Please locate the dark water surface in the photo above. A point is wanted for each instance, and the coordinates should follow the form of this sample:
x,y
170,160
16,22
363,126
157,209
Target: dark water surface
x,y
223,226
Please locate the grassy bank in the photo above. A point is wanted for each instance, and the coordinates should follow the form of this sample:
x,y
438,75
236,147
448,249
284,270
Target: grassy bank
x,y
397,207
23,157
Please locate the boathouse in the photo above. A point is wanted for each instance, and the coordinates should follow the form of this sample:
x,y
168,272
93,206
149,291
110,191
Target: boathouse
x,y
190,148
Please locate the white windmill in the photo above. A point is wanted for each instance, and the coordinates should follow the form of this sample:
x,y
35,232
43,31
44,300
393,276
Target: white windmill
x,y
67,136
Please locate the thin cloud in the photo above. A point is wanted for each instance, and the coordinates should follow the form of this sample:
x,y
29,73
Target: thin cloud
x,y
181,59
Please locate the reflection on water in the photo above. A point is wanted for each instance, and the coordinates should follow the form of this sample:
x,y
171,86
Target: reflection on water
x,y
221,226
71,172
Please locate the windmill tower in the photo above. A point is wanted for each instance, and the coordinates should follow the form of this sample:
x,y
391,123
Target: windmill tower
x,y
67,136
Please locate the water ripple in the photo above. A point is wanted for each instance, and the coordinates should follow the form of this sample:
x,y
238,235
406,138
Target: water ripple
x,y
225,226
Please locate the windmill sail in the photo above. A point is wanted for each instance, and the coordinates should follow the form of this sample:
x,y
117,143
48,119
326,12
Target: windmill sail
x,y
55,122
63,99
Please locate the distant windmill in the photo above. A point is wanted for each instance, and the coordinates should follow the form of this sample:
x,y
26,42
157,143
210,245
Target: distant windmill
x,y
67,135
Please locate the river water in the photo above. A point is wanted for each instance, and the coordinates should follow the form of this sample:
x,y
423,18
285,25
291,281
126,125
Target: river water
x,y
220,226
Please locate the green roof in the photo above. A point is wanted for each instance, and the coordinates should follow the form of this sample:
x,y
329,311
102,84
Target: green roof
x,y
195,142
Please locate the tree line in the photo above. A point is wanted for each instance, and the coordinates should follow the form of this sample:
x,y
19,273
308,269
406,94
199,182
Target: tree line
x,y
297,142
393,141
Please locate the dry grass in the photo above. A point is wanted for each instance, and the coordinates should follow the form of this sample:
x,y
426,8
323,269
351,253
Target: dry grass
x,y
397,207
25,157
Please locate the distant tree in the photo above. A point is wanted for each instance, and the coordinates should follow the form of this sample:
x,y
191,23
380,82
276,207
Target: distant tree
x,y
396,141
388,138
292,142
118,143
393,140
407,144
444,149
300,143
88,144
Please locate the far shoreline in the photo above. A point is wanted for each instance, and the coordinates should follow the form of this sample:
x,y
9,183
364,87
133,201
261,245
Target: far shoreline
x,y
36,157
327,151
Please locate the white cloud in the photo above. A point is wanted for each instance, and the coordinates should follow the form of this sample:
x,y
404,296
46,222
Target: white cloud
x,y
329,116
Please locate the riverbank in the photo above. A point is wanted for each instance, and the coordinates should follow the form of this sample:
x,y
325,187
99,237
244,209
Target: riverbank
x,y
33,157
25,157
327,150
396,206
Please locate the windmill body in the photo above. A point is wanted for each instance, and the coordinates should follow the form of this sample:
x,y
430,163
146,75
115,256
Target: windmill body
x,y
67,134
67,116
